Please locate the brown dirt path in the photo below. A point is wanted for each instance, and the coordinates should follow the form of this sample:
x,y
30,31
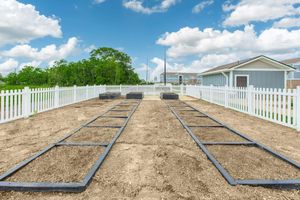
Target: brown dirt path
x,y
155,159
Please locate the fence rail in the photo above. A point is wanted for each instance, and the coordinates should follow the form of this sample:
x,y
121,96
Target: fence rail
x,y
15,104
277,105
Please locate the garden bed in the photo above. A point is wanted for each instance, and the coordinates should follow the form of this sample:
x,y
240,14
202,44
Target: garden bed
x,y
93,135
248,162
60,164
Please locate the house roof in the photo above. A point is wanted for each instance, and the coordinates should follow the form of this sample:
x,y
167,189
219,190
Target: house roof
x,y
291,61
231,66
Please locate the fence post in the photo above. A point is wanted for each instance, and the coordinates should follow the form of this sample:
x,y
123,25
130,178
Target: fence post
x,y
121,88
298,108
210,93
95,91
74,93
171,88
181,89
87,92
56,97
250,99
226,96
26,102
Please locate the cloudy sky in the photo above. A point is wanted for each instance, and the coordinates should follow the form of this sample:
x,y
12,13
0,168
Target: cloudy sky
x,y
196,34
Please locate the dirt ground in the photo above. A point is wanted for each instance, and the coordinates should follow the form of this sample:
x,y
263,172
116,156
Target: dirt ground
x,y
280,138
61,164
22,138
156,159
89,134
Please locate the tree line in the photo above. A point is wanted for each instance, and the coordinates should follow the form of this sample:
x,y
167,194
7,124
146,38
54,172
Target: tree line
x,y
104,66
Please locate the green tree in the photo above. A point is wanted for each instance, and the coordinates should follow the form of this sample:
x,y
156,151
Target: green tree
x,y
104,66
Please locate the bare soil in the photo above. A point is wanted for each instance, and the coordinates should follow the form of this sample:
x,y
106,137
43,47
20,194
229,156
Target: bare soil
x,y
189,113
199,121
107,121
280,138
155,158
89,134
246,162
117,113
22,138
61,164
218,134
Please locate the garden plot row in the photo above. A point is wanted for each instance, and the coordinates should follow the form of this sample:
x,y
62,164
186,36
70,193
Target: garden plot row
x,y
69,164
238,158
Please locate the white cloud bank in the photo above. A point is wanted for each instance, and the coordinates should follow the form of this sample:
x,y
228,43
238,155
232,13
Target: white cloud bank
x,y
193,41
138,6
21,23
35,56
215,47
8,66
288,22
247,11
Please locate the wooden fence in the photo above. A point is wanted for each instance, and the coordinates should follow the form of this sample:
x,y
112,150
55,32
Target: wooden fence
x,y
277,105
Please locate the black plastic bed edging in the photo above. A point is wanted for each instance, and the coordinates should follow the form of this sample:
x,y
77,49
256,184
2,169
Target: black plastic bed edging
x,y
287,183
169,96
58,186
109,95
135,95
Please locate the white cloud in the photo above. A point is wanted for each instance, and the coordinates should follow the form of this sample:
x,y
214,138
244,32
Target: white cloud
x,y
287,22
90,48
192,41
171,67
216,47
8,66
247,11
33,63
201,6
21,23
137,6
48,53
98,1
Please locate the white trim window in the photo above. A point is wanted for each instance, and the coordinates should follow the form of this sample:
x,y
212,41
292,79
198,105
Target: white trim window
x,y
241,75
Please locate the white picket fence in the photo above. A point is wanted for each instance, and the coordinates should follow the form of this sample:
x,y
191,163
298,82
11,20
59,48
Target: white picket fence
x,y
15,104
146,89
277,105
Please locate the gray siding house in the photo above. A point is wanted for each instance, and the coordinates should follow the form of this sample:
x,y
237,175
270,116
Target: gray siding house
x,y
293,77
260,72
180,78
296,64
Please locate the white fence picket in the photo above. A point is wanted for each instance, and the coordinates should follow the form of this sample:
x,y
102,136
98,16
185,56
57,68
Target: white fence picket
x,y
276,105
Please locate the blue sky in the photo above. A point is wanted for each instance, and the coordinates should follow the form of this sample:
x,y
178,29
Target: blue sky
x,y
197,34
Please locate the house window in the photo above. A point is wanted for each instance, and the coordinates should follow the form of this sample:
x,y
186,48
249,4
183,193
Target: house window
x,y
241,80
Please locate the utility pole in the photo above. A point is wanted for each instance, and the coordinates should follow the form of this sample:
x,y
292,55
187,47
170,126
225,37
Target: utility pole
x,y
147,73
165,67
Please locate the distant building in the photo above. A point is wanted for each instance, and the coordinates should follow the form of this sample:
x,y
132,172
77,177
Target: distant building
x,y
180,78
293,77
260,72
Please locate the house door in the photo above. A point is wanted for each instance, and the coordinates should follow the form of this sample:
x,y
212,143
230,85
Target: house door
x,y
180,80
241,81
